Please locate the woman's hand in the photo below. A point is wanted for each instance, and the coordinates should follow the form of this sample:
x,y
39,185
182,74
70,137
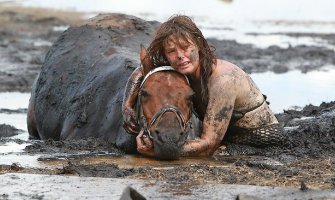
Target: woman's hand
x,y
144,144
129,102
130,121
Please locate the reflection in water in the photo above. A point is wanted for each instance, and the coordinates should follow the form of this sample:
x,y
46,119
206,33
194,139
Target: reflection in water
x,y
128,161
123,162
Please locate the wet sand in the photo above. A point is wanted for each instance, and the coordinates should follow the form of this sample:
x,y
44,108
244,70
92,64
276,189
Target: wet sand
x,y
26,35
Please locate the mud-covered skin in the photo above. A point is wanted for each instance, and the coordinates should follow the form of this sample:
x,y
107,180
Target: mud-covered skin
x,y
80,88
129,100
229,89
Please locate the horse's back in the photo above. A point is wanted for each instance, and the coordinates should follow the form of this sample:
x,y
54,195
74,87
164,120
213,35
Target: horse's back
x,y
79,91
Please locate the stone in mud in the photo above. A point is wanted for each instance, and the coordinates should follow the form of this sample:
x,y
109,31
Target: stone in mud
x,y
130,193
78,93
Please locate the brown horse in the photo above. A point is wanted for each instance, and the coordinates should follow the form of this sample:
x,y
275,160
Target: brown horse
x,y
165,101
79,91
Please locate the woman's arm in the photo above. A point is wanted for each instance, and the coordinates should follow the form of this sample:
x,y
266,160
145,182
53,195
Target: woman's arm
x,y
129,101
222,95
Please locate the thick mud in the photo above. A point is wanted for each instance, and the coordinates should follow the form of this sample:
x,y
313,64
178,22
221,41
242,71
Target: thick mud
x,y
305,163
25,37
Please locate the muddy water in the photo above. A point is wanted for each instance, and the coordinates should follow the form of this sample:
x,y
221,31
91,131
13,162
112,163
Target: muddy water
x,y
125,162
13,153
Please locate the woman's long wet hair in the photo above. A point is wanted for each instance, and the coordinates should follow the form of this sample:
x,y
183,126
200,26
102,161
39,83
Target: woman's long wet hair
x,y
182,27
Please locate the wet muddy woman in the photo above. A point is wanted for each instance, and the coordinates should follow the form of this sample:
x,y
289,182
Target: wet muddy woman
x,y
228,103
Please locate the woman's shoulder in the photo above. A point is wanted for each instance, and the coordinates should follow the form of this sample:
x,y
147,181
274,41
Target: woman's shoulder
x,y
221,62
224,67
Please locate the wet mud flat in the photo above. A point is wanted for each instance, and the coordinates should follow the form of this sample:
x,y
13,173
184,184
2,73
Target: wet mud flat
x,y
111,188
295,172
304,168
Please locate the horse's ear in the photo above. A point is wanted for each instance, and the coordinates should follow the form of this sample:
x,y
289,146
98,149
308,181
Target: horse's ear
x,y
145,60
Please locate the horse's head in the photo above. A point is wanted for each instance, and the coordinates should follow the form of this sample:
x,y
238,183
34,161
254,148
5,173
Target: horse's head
x,y
165,98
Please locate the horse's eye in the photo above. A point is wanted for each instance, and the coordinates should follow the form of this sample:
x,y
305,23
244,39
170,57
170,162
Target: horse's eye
x,y
191,96
190,99
144,93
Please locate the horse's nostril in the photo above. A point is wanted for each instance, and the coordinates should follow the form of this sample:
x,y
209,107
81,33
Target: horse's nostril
x,y
158,136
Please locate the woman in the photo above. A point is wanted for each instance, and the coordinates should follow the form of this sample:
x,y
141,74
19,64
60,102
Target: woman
x,y
226,100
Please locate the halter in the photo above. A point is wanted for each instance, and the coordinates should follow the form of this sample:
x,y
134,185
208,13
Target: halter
x,y
158,69
185,125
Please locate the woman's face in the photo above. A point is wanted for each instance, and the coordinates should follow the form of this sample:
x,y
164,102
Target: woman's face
x,y
183,56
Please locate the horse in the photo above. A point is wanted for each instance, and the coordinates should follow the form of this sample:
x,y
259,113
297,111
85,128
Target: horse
x,y
165,108
79,90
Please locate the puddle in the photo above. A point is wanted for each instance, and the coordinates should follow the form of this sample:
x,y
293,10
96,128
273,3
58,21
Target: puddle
x,y
129,161
55,161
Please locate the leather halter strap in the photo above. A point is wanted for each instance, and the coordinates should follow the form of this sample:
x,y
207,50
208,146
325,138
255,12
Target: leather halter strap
x,y
158,69
185,125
